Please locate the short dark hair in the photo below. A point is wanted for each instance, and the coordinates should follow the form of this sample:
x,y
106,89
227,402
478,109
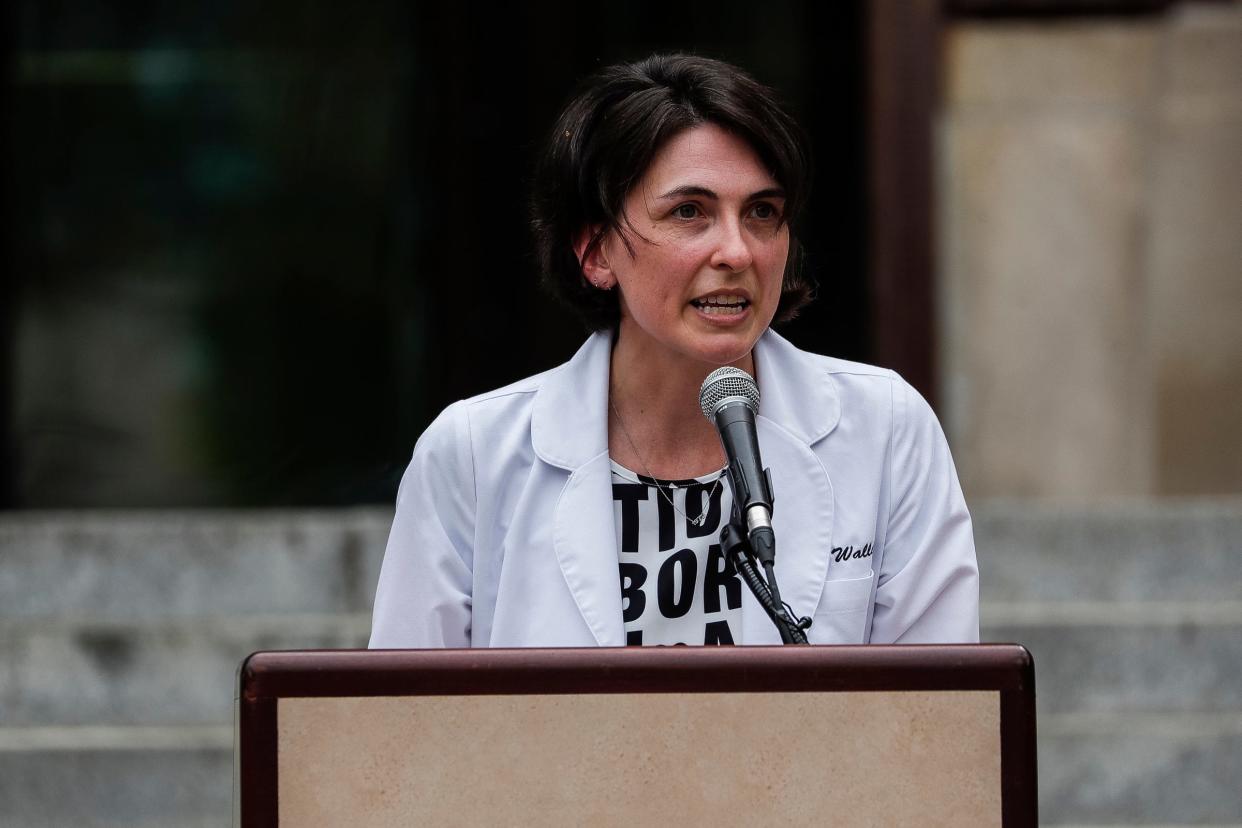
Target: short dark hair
x,y
607,136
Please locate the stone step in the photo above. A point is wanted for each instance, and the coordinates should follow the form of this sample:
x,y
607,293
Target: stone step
x,y
1140,770
117,788
1095,668
1142,550
183,671
153,565
129,565
179,672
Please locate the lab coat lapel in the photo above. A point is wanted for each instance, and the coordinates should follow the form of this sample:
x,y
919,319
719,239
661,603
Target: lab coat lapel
x,y
585,538
802,519
798,407
569,430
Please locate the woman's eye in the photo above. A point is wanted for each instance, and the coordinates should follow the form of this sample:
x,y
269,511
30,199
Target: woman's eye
x,y
764,211
686,211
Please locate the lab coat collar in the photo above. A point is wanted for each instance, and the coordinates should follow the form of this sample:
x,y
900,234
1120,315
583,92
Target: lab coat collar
x,y
569,425
795,389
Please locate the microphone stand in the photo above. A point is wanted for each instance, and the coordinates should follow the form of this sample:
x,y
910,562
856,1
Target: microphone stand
x,y
736,546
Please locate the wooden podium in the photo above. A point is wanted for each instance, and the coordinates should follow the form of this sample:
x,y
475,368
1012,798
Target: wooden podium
x,y
885,735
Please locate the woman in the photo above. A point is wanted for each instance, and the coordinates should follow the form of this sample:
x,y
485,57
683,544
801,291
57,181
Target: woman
x,y
582,506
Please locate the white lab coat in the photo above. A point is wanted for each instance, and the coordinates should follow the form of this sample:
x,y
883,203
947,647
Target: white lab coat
x,y
504,533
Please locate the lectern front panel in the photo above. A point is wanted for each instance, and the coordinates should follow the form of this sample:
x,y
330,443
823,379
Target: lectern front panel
x,y
650,759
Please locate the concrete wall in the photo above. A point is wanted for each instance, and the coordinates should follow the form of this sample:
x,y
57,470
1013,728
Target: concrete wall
x,y
1090,200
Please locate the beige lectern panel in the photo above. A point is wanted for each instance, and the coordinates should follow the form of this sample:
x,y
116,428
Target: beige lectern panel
x,y
908,758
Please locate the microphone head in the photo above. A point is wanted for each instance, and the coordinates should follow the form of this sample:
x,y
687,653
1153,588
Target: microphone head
x,y
728,385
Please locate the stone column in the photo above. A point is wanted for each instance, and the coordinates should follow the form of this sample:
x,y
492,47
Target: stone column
x,y
1090,254
1194,255
1043,150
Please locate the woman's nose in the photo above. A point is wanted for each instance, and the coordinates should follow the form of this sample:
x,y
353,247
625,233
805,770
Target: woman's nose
x,y
732,250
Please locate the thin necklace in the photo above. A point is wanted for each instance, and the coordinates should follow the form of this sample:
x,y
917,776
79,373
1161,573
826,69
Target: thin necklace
x,y
697,521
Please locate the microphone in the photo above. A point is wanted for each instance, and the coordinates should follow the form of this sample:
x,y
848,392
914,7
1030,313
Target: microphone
x,y
729,398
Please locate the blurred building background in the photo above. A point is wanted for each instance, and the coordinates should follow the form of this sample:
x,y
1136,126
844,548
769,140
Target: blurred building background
x,y
253,251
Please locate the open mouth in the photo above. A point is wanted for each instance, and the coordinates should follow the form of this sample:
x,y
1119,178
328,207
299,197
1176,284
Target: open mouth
x,y
721,305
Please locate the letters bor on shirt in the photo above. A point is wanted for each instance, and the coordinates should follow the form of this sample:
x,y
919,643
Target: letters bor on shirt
x,y
677,585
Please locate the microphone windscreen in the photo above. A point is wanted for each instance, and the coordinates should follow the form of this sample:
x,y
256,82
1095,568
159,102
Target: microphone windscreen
x,y
726,385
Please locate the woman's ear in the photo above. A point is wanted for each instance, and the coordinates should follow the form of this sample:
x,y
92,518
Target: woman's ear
x,y
593,260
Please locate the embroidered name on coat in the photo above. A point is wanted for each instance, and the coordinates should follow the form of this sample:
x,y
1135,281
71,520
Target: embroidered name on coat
x,y
849,553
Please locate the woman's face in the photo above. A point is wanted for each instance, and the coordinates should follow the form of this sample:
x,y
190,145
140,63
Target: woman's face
x,y
709,249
